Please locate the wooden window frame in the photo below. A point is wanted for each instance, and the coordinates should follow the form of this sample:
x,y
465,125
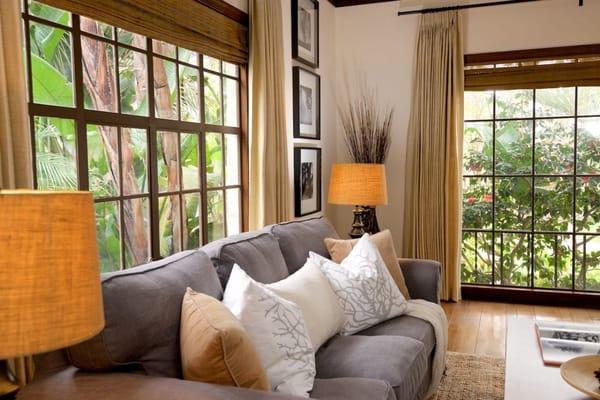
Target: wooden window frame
x,y
152,124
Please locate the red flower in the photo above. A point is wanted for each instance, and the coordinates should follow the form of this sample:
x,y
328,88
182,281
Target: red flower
x,y
471,200
487,198
585,179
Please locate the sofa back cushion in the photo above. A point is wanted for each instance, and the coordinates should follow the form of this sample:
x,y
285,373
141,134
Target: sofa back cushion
x,y
142,309
297,238
257,253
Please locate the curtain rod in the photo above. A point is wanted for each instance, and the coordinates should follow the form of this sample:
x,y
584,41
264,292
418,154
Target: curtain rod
x,y
465,6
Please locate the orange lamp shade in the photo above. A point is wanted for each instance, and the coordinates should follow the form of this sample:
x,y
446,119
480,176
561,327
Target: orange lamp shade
x,y
358,184
50,294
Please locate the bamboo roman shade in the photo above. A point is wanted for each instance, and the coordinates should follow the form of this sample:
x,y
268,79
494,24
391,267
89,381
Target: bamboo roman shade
x,y
530,69
186,23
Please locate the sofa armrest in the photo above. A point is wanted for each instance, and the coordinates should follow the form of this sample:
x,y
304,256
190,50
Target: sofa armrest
x,y
423,278
74,384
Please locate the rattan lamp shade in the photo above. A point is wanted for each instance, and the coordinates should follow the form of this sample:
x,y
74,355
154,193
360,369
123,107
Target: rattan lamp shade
x,y
50,295
358,184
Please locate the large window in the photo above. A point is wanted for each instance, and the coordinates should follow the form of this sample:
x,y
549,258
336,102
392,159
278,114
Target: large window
x,y
531,209
152,129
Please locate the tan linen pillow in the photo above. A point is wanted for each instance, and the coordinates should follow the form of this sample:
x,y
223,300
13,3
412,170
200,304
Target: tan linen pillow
x,y
215,347
340,248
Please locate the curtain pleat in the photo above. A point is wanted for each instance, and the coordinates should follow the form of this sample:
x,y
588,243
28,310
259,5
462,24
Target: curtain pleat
x,y
269,180
16,170
432,227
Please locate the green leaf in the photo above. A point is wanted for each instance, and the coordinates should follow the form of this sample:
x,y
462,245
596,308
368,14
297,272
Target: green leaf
x,y
49,85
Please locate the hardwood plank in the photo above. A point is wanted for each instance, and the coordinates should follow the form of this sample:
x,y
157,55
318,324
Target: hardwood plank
x,y
491,337
464,327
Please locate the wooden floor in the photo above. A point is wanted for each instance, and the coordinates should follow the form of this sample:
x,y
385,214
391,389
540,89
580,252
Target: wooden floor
x,y
480,327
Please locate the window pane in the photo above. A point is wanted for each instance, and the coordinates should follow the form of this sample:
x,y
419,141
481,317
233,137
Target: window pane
x,y
212,99
215,216
553,261
55,153
477,203
167,157
108,234
513,259
588,146
230,102
477,152
131,39
555,102
169,225
136,228
134,162
133,81
190,161
96,27
477,257
188,56
192,233
588,102
232,160
587,271
51,65
554,146
103,160
230,69
214,160
553,204
99,74
163,48
514,103
211,63
234,222
513,203
479,105
49,13
165,89
189,86
588,204
513,147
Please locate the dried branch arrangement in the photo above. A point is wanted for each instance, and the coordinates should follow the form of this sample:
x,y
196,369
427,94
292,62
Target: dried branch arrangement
x,y
366,124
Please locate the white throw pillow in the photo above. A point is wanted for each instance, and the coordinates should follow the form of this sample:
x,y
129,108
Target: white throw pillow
x,y
364,287
310,290
276,326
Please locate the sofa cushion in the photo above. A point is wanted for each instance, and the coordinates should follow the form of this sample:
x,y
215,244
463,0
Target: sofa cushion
x,y
352,389
407,326
400,361
297,238
142,308
257,253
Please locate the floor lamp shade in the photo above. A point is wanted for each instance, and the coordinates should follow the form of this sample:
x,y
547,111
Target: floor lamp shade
x,y
50,294
358,184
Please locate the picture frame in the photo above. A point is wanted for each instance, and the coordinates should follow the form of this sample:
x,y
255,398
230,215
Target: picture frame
x,y
307,180
305,32
307,104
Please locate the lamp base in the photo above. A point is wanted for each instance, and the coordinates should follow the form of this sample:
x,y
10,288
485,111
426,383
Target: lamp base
x,y
369,219
357,225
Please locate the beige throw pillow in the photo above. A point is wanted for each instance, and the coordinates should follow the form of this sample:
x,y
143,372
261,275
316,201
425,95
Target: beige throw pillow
x,y
215,347
340,248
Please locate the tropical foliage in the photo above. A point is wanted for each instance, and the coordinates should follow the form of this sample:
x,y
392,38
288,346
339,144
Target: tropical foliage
x,y
536,222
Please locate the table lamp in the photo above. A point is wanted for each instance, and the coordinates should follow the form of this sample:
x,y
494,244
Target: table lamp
x,y
362,186
50,294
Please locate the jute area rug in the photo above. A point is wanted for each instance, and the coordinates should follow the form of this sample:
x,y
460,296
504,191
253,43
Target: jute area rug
x,y
472,377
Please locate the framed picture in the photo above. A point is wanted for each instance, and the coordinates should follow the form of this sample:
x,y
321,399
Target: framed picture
x,y
307,104
307,180
305,31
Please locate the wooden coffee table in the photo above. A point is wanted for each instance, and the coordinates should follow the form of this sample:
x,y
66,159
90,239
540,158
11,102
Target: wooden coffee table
x,y
526,375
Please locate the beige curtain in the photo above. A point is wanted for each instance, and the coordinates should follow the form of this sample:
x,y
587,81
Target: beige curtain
x,y
432,227
15,146
269,180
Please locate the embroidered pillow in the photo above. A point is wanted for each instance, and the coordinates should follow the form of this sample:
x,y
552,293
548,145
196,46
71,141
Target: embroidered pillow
x,y
364,287
277,328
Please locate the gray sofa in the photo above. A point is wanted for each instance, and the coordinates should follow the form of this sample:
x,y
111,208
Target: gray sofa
x,y
136,356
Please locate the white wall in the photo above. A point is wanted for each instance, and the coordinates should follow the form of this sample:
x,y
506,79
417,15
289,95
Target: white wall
x,y
374,39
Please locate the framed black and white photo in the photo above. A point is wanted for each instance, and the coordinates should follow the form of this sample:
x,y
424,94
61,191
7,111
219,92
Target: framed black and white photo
x,y
307,180
307,104
305,31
